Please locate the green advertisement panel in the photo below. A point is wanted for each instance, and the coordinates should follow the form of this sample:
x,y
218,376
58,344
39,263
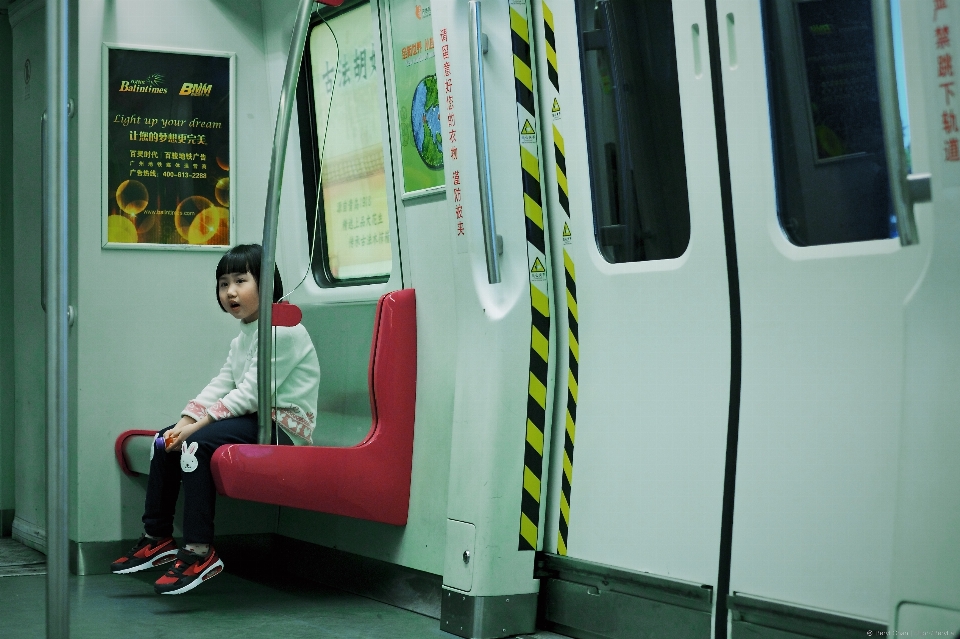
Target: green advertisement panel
x,y
418,103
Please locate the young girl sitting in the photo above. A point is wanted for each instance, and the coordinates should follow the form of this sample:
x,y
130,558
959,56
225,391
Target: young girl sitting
x,y
223,413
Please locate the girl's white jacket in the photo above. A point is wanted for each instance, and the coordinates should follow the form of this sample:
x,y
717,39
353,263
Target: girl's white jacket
x,y
296,375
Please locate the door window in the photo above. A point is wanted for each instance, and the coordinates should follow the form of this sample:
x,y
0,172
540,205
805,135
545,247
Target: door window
x,y
830,157
635,132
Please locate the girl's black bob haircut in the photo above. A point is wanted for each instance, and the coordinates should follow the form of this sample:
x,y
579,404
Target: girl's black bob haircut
x,y
245,258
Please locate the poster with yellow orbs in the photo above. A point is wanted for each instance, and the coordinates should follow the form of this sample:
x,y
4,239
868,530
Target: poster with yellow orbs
x,y
168,140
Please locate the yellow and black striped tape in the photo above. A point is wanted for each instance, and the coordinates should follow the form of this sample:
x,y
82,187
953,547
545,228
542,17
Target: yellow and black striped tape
x,y
539,297
573,333
551,39
522,69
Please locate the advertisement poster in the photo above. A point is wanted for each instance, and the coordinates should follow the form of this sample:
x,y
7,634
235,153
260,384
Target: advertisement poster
x,y
168,149
347,95
418,101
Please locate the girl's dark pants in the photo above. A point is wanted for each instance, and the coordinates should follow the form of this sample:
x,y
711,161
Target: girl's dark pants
x,y
200,493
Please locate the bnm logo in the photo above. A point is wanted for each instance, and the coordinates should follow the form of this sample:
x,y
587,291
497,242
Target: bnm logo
x,y
196,90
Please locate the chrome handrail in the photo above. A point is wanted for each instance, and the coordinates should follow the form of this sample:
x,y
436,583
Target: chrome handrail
x,y
271,220
490,239
905,190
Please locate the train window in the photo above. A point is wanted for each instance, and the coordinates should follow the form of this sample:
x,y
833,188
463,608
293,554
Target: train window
x,y
831,168
340,107
634,128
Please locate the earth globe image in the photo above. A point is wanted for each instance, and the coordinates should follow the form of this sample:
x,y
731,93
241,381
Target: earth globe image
x,y
425,119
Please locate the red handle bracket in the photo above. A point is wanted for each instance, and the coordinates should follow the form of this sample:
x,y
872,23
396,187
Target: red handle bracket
x,y
286,314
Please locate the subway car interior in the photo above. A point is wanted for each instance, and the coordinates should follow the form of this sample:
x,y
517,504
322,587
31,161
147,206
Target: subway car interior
x,y
635,319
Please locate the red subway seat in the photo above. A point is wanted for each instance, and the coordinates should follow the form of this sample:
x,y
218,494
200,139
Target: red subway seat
x,y
368,481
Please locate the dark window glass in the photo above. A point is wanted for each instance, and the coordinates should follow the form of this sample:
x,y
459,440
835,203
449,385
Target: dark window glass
x,y
831,169
340,112
634,128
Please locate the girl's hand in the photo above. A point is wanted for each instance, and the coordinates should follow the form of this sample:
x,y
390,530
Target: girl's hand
x,y
185,427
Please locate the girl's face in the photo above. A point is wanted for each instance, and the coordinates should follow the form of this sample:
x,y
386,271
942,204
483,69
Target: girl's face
x,y
240,296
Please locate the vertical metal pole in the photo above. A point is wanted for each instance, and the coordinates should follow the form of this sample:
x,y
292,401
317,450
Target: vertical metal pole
x,y
56,199
271,219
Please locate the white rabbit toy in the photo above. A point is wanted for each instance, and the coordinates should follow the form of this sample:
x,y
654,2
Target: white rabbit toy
x,y
188,458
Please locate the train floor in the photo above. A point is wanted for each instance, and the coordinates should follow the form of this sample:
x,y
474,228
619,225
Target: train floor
x,y
234,606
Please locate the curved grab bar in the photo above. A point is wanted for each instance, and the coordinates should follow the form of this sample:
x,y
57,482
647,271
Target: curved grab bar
x,y
905,190
490,238
271,219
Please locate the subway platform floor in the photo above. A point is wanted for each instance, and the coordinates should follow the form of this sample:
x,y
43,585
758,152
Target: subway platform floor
x,y
234,606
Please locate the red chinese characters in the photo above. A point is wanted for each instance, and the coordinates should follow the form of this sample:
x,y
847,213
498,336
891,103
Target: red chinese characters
x,y
951,149
945,65
947,91
941,34
938,6
451,130
943,37
949,122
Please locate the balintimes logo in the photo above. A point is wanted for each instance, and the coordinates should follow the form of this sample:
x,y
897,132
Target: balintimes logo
x,y
198,90
153,84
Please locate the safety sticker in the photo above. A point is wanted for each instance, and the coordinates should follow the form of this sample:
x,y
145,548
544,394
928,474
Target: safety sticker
x,y
555,110
567,236
528,134
537,272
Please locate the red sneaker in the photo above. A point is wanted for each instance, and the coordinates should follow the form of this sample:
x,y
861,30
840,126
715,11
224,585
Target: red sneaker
x,y
188,571
146,554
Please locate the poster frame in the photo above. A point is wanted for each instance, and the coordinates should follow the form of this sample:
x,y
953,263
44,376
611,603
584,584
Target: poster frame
x,y
104,146
388,41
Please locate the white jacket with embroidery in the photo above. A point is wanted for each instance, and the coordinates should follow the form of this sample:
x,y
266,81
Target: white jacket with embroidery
x,y
296,375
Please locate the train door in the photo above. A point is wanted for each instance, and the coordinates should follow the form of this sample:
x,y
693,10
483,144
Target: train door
x,y
823,282
642,312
